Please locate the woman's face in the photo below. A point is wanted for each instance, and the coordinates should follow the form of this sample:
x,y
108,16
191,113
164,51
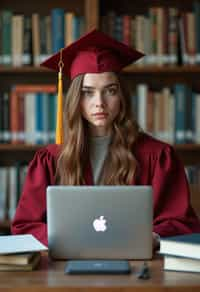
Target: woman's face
x,y
100,101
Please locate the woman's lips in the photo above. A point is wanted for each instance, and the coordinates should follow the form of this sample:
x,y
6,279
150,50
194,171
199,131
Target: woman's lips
x,y
100,115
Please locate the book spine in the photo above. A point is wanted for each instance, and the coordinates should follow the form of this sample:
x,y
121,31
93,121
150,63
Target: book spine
x,y
173,35
196,8
76,27
1,38
36,38
6,118
27,42
43,39
57,17
12,192
180,115
6,37
29,118
3,193
39,118
14,117
69,28
1,117
142,90
118,30
127,29
52,117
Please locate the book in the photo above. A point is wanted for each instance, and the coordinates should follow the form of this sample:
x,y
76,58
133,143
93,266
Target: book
x,y
181,264
57,18
187,245
18,258
10,244
31,265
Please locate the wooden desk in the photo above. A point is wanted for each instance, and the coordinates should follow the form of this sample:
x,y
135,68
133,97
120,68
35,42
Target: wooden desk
x,y
50,277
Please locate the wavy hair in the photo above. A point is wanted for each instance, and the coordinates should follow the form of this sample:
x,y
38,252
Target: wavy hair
x,y
74,156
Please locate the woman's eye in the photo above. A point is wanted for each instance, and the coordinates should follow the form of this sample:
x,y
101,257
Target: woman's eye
x,y
111,91
87,93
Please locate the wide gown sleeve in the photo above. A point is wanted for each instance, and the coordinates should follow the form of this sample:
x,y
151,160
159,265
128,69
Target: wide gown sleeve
x,y
173,213
30,216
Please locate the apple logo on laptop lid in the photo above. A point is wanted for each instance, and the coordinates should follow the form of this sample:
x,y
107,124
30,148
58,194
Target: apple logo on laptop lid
x,y
99,224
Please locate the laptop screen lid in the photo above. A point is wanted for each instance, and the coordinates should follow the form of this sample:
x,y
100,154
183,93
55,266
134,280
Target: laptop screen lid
x,y
99,222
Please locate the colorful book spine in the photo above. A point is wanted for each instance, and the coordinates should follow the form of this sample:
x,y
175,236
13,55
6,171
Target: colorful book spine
x,y
6,37
180,92
57,17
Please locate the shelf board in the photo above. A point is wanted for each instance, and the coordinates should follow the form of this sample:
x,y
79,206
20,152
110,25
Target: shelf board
x,y
25,69
132,69
187,147
166,69
19,147
33,147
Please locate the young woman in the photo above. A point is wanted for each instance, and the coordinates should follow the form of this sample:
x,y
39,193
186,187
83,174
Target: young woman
x,y
103,144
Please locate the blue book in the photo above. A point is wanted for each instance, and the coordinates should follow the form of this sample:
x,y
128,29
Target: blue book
x,y
180,93
52,117
189,127
193,116
187,245
118,31
57,18
39,118
76,27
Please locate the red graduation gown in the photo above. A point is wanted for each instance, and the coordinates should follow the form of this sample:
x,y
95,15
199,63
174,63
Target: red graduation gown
x,y
158,165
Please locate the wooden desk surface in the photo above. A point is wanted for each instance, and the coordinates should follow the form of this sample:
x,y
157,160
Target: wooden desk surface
x,y
50,277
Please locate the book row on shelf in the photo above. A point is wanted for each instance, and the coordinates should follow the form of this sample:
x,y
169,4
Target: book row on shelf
x,y
171,114
27,40
165,34
11,182
12,179
28,113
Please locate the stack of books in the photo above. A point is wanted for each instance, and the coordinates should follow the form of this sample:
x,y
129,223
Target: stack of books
x,y
19,261
181,253
20,252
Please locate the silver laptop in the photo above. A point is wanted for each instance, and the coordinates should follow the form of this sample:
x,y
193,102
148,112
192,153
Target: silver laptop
x,y
99,222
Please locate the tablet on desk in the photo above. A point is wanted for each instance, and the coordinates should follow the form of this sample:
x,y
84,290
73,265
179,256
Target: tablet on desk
x,y
99,222
97,267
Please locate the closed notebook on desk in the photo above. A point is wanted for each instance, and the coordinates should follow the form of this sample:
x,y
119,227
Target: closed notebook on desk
x,y
99,222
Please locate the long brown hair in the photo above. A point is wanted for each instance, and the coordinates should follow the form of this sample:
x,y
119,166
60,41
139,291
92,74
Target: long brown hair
x,y
74,156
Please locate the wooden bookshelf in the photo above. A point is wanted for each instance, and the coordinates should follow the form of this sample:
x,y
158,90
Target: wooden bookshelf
x,y
185,70
157,76
10,153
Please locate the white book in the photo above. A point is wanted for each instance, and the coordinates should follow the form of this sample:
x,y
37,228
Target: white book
x,y
181,264
187,245
12,202
142,91
29,118
20,243
3,192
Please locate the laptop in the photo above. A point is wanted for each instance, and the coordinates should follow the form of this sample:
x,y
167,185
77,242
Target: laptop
x,y
99,222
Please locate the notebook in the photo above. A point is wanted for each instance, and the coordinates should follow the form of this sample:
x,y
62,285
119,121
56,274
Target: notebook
x,y
100,222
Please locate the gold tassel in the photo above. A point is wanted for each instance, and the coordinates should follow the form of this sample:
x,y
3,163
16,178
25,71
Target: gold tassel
x,y
59,118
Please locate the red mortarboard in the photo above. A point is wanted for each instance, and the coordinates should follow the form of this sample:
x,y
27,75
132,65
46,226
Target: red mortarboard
x,y
95,52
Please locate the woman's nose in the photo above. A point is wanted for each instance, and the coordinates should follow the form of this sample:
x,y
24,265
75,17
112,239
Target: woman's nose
x,y
99,100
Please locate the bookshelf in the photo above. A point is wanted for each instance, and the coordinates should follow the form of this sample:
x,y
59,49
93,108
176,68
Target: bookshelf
x,y
93,11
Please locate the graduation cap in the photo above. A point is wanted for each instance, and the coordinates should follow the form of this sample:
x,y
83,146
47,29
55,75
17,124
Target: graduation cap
x,y
95,52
